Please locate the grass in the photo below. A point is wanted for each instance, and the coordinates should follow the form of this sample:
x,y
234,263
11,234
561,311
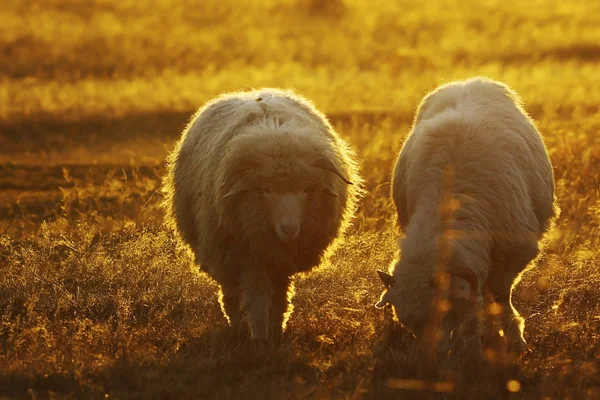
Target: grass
x,y
98,300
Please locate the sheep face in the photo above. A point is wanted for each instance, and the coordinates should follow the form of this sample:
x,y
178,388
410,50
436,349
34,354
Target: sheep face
x,y
286,210
284,207
417,299
410,297
283,192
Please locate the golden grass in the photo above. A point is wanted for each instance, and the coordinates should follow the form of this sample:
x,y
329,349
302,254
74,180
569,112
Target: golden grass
x,y
96,298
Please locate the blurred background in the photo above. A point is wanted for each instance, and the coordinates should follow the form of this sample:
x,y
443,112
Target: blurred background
x,y
65,61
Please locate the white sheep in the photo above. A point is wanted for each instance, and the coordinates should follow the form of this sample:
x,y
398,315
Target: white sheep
x,y
474,191
259,187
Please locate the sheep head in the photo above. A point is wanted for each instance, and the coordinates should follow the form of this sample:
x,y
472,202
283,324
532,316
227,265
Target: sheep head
x,y
407,293
412,301
293,201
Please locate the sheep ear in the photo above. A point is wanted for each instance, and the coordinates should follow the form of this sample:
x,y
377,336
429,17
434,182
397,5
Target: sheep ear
x,y
326,164
387,279
463,284
380,304
382,301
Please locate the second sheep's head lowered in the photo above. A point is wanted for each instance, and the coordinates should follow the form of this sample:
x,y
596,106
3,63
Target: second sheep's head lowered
x,y
451,296
282,187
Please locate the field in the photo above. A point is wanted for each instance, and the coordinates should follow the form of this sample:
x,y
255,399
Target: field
x,y
98,301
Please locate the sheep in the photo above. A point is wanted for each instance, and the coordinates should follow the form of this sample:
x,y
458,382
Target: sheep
x,y
260,187
474,191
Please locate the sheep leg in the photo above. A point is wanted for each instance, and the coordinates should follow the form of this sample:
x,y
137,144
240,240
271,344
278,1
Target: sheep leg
x,y
283,290
229,299
512,323
501,283
256,292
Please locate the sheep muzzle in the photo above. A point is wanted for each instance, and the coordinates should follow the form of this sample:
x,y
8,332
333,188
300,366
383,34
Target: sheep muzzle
x,y
287,210
288,228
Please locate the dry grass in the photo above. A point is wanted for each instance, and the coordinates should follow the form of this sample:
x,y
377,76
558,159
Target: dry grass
x,y
97,300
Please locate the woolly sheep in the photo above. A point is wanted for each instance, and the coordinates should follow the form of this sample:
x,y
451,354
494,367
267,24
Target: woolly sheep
x,y
474,190
259,187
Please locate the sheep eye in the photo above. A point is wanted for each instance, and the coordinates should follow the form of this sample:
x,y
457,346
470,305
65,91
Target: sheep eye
x,y
267,190
307,191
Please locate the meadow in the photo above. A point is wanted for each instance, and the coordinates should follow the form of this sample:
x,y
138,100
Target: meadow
x,y
98,300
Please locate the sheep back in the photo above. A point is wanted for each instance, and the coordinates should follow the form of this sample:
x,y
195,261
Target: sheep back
x,y
477,131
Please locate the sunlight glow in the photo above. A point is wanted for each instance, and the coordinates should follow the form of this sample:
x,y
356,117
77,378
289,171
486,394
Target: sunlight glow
x,y
494,309
421,385
443,306
513,386
100,299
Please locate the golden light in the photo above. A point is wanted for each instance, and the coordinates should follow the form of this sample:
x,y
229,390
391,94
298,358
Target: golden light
x,y
494,309
443,306
421,385
98,297
513,386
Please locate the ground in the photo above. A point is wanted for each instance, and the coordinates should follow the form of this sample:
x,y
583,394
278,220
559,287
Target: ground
x,y
97,300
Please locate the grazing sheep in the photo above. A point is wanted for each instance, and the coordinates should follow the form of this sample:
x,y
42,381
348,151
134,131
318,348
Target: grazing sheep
x,y
474,191
259,187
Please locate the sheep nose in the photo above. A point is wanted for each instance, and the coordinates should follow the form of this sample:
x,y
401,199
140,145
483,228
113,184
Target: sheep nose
x,y
289,228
